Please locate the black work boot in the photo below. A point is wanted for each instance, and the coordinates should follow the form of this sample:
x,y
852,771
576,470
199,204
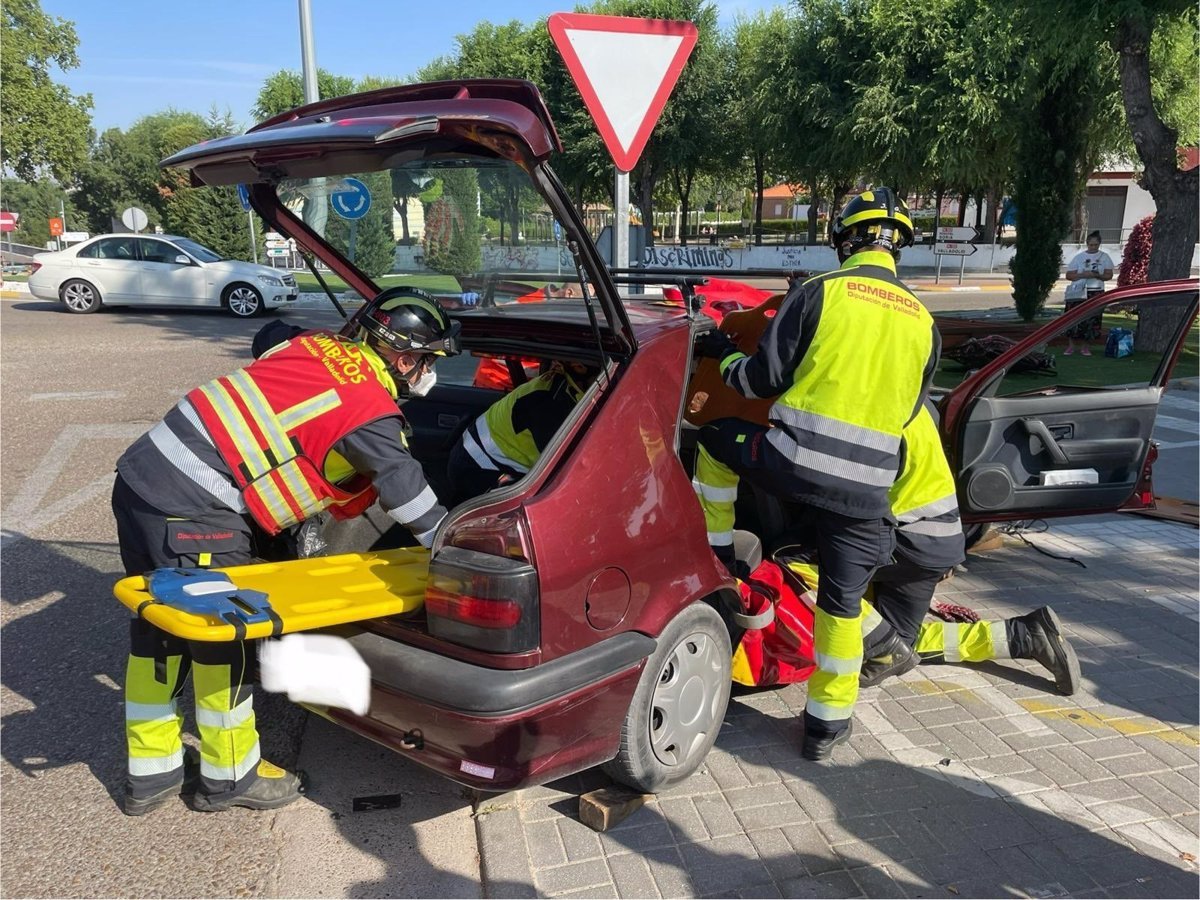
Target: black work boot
x,y
890,658
271,788
817,747
139,806
1038,635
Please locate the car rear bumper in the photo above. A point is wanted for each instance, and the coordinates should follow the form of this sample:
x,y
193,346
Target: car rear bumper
x,y
498,729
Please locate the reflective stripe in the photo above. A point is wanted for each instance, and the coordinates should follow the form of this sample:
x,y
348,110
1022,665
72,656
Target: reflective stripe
x,y
193,417
415,508
835,428
934,528
715,494
236,772
950,642
268,492
870,618
292,418
426,537
231,718
930,510
835,666
720,538
999,632
825,464
155,765
729,361
736,372
827,713
493,450
476,452
146,713
187,462
252,455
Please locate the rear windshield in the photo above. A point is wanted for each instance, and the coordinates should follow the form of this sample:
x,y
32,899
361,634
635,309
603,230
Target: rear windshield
x,y
473,231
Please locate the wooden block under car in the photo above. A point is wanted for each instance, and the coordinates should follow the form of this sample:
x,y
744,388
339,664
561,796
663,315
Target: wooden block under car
x,y
600,810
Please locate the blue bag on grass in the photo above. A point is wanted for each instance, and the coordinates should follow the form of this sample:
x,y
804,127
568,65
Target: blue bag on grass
x,y
1119,343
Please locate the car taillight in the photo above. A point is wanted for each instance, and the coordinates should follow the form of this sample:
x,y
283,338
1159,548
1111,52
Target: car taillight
x,y
483,601
34,266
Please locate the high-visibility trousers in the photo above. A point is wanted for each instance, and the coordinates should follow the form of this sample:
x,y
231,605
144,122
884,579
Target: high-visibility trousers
x,y
157,670
963,641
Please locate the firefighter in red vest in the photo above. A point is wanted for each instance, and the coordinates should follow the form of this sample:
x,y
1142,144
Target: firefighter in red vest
x,y
311,425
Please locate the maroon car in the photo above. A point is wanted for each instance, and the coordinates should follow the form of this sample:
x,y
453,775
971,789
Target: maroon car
x,y
574,617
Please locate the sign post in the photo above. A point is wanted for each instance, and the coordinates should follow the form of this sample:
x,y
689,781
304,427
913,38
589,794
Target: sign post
x,y
244,199
625,69
953,241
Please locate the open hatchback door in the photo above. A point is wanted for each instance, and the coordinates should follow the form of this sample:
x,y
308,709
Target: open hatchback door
x,y
433,185
1025,444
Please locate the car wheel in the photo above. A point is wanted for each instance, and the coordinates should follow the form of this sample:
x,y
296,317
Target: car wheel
x,y
679,703
242,300
79,296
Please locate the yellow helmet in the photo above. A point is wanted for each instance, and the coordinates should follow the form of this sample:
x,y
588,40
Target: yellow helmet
x,y
874,217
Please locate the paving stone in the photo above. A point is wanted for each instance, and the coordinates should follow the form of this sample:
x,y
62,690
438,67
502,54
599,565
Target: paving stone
x,y
877,851
667,870
1181,787
504,857
1087,769
830,884
700,782
579,841
545,846
876,881
718,818
631,875
757,768
684,820
898,800
759,795
1051,766
1106,748
1164,747
591,875
650,833
778,855
1141,764
774,816
1067,872
725,770
812,848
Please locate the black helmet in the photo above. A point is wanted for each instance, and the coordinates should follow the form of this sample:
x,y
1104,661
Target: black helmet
x,y
873,217
410,320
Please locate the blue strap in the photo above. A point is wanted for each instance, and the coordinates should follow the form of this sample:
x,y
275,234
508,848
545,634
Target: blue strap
x,y
239,608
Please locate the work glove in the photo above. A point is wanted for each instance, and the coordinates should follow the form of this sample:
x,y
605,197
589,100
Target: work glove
x,y
716,345
469,298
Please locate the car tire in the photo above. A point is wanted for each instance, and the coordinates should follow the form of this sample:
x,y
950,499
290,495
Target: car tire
x,y
679,704
242,300
79,296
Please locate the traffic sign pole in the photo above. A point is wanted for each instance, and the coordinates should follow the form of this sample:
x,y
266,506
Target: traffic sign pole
x,y
621,221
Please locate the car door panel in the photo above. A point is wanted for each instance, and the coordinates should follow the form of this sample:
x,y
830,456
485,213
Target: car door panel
x,y
1005,447
167,282
115,270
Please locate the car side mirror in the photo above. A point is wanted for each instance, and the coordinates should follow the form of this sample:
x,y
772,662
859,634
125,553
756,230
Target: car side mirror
x,y
183,260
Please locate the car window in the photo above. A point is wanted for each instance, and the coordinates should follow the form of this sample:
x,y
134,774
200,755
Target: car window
x,y
112,248
1118,348
157,251
199,251
471,230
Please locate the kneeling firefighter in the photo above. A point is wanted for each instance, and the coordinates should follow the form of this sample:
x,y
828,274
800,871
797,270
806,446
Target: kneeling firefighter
x,y
313,424
849,355
510,436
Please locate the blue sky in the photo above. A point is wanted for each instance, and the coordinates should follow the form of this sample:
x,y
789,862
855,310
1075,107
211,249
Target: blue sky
x,y
138,57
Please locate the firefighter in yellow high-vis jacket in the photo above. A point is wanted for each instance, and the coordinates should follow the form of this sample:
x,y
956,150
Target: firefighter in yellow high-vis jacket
x,y
849,355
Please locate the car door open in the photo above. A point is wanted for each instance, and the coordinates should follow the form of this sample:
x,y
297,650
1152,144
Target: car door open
x,y
1076,440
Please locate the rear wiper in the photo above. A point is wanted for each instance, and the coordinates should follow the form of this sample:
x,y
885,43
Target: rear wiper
x,y
308,261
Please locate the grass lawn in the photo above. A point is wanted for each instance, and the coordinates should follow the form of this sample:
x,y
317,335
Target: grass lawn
x,y
1096,370
16,277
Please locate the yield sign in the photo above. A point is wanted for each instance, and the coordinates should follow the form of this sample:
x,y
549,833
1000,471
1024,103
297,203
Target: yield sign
x,y
625,69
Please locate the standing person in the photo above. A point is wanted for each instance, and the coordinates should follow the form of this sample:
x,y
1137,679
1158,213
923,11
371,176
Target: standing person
x,y
1087,273
850,355
510,436
312,424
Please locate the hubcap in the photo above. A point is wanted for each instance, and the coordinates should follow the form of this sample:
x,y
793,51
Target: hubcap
x,y
683,710
243,301
78,297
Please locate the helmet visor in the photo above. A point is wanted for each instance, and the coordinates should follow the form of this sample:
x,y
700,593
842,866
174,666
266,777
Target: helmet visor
x,y
447,345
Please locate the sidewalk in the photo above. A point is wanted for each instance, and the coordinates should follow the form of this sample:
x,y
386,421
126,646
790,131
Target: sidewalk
x,y
960,781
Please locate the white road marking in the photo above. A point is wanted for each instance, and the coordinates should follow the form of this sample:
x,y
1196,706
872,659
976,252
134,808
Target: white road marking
x,y
1188,426
25,515
1178,445
78,395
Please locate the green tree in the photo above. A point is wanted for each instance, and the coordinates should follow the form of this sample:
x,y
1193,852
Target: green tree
x,y
45,126
37,203
374,241
285,90
451,237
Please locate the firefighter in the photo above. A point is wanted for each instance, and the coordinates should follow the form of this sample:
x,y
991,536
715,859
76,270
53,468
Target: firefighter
x,y
850,355
509,437
313,424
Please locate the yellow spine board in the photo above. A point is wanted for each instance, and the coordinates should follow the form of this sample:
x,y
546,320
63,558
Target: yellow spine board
x,y
304,593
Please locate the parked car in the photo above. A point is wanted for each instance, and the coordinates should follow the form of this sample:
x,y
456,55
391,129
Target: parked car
x,y
576,617
156,270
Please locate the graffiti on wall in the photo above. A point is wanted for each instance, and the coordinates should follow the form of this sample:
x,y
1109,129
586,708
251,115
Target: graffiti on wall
x,y
688,258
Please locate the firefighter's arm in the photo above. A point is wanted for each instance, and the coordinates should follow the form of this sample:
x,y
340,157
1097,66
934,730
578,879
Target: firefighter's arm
x,y
931,364
379,450
272,334
542,412
770,370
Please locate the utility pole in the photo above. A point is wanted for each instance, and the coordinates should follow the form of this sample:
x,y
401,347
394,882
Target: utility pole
x,y
317,206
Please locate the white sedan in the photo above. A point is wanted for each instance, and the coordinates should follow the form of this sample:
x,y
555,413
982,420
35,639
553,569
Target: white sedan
x,y
156,270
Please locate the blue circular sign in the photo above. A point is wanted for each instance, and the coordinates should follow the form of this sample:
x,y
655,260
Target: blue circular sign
x,y
244,197
352,200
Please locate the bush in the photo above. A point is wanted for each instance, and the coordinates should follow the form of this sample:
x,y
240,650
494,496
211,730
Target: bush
x,y
1135,259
